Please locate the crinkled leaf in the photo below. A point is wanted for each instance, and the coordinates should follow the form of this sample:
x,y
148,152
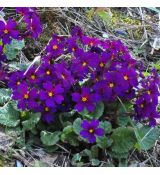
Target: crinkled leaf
x,y
50,138
106,126
96,114
32,121
68,136
12,50
9,116
147,137
123,139
5,95
123,118
94,151
18,66
104,142
118,155
76,160
77,126
95,162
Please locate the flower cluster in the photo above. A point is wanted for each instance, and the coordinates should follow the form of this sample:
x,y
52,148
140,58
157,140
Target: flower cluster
x,y
10,30
78,72
147,101
32,21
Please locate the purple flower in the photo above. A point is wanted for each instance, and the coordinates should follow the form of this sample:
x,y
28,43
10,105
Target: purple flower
x,y
2,56
77,32
34,28
144,106
8,31
47,113
26,97
91,130
32,21
52,94
64,75
72,45
130,76
102,61
85,99
46,71
3,73
114,85
48,117
82,64
15,79
32,75
90,41
55,48
22,10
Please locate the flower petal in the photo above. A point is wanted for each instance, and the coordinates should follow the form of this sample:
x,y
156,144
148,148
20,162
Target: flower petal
x,y
99,132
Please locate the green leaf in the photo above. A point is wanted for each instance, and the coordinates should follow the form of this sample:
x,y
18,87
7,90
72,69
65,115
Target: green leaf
x,y
32,121
49,138
94,151
18,66
154,9
123,139
104,16
96,114
106,126
76,160
68,136
147,137
123,118
118,155
5,95
12,50
77,126
40,164
9,116
86,152
104,142
95,162
51,149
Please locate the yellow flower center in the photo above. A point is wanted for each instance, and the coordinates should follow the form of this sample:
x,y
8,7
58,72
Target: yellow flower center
x,y
84,64
63,77
126,77
5,31
111,85
18,82
33,77
26,96
91,43
91,131
55,47
142,105
73,49
46,109
101,64
148,92
48,72
112,57
50,94
84,99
